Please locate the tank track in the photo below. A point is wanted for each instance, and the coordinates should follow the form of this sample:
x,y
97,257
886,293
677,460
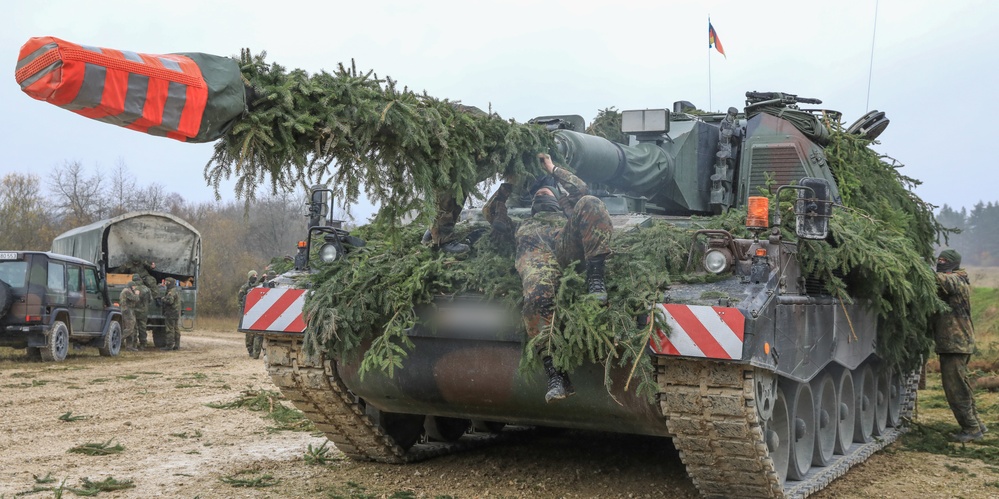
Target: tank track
x,y
711,411
312,385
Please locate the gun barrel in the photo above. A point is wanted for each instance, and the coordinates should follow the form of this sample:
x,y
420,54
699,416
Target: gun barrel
x,y
594,159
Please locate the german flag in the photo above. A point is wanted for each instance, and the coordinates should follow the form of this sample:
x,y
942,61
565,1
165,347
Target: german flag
x,y
713,40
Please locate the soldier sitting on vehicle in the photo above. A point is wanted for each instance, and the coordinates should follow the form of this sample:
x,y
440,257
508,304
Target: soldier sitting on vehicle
x,y
560,231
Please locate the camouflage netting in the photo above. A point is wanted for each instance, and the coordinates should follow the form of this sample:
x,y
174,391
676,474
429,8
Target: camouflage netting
x,y
356,131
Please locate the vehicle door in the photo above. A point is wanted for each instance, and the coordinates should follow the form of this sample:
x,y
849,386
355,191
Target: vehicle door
x,y
95,300
75,299
55,284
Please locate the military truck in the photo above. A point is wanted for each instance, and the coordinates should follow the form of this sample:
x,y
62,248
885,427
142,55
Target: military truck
x,y
146,243
767,385
50,302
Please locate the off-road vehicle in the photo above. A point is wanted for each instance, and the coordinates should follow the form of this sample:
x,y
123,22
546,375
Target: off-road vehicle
x,y
49,301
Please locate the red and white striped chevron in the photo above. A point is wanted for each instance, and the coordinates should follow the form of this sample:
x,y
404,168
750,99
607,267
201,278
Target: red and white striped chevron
x,y
701,331
274,309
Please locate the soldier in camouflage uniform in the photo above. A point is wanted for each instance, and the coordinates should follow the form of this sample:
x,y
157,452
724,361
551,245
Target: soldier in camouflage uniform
x,y
954,335
129,301
254,342
141,311
171,314
560,231
441,233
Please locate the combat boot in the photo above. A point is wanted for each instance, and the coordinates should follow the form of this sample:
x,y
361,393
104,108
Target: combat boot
x,y
559,386
968,435
595,279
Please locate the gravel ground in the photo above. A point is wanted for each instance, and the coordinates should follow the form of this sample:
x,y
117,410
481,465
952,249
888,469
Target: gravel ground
x,y
154,405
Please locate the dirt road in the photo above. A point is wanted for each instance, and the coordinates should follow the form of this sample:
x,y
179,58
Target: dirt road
x,y
155,406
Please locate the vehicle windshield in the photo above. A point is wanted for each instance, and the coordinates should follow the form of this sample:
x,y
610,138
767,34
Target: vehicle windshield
x,y
14,273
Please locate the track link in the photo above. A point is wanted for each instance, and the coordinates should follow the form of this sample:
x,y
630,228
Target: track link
x,y
313,386
711,411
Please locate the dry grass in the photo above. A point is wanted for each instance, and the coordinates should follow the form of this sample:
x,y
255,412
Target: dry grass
x,y
218,323
984,277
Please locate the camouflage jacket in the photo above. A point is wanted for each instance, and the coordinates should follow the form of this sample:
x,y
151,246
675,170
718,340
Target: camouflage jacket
x,y
171,302
129,299
540,229
145,296
954,332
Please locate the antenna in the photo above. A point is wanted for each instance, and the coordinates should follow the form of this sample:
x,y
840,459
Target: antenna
x,y
870,70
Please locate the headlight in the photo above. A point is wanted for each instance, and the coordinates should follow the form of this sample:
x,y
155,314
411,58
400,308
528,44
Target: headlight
x,y
329,253
716,261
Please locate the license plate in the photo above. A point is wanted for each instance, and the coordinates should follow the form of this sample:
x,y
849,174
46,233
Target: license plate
x,y
8,255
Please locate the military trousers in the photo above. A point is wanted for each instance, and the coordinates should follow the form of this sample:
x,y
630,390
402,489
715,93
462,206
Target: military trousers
x,y
127,325
957,389
141,325
585,235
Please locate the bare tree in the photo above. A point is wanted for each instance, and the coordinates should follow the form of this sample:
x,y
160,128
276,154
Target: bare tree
x,y
122,190
25,221
151,198
276,223
80,199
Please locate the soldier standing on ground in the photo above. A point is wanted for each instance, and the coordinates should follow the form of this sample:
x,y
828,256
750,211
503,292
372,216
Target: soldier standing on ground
x,y
575,227
254,342
141,311
129,301
154,296
955,342
171,314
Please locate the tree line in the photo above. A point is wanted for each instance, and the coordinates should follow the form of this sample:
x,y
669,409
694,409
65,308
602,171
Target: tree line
x,y
977,233
236,236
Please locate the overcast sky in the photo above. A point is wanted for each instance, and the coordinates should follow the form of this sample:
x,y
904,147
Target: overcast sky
x,y
933,73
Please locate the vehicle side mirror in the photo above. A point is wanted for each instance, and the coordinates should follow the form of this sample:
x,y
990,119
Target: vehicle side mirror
x,y
319,206
812,209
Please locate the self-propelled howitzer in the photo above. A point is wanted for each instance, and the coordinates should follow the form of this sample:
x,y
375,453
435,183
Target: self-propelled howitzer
x,y
768,386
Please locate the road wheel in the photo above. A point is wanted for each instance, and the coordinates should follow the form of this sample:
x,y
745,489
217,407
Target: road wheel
x,y
865,387
112,341
58,344
827,409
803,421
778,436
847,415
444,429
405,429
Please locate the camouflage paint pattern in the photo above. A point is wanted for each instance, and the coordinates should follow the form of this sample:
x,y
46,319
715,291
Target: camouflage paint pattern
x,y
129,301
141,313
448,214
954,332
254,342
954,335
171,313
960,395
547,242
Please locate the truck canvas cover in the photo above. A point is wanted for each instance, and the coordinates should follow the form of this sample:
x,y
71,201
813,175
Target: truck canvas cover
x,y
169,241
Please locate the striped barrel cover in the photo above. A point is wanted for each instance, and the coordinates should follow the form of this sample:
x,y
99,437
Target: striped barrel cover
x,y
274,309
163,95
700,331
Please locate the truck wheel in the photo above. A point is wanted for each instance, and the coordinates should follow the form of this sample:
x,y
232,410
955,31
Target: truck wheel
x,y
6,298
58,344
112,340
